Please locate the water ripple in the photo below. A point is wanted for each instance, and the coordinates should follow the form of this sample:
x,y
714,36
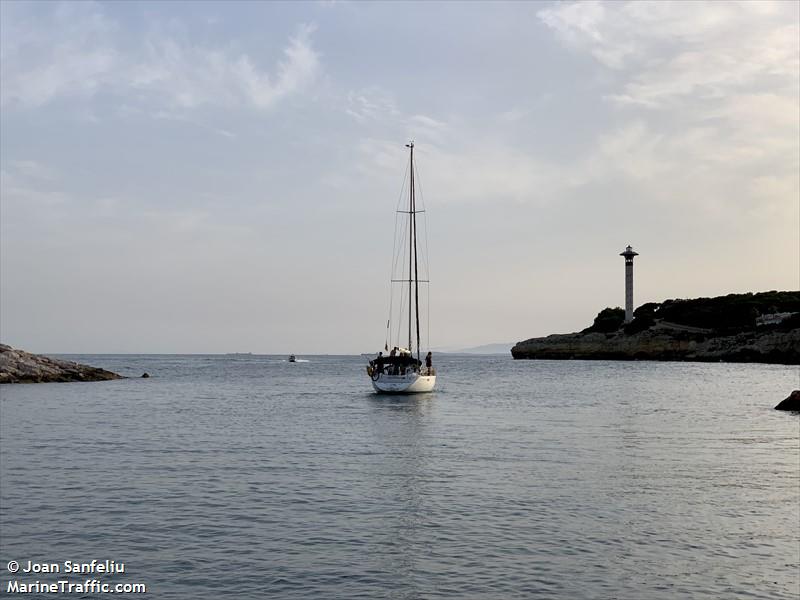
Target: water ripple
x,y
250,477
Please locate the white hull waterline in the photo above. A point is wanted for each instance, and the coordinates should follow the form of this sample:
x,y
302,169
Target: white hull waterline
x,y
410,383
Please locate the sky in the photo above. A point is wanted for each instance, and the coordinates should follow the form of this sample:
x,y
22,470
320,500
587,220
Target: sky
x,y
222,177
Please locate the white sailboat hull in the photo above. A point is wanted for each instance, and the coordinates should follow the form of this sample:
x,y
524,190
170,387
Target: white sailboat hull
x,y
411,383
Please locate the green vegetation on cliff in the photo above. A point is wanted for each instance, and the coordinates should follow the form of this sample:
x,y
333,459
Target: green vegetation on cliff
x,y
725,314
607,320
729,314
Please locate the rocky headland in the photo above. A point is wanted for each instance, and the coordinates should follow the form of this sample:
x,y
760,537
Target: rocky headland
x,y
17,366
763,327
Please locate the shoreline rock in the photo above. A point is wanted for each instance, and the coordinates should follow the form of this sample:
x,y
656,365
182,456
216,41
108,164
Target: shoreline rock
x,y
776,347
791,403
18,366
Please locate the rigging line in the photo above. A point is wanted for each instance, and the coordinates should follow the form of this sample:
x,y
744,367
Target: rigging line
x,y
400,229
392,265
395,255
401,249
389,320
399,263
400,268
400,312
391,295
428,317
425,259
400,318
426,254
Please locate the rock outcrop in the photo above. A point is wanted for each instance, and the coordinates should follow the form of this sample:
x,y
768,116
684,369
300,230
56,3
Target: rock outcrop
x,y
790,403
761,327
665,343
17,366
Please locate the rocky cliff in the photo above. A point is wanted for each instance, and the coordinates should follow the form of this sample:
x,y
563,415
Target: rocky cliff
x,y
17,366
768,347
728,328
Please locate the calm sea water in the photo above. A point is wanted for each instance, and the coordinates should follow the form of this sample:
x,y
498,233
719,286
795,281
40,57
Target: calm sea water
x,y
251,477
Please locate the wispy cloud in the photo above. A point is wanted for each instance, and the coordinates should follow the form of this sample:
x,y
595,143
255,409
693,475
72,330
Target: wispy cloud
x,y
36,195
703,101
667,51
31,170
30,191
189,76
588,25
710,90
371,104
72,50
470,172
180,116
66,51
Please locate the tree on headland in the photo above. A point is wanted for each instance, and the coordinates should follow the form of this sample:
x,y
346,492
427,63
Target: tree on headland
x,y
643,318
734,312
607,320
723,315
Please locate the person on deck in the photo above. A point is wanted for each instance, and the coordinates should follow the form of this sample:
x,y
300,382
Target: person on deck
x,y
428,361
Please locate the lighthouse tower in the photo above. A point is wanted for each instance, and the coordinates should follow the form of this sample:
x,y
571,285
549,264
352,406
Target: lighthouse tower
x,y
629,254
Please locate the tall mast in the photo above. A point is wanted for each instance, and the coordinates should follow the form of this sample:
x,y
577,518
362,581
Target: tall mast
x,y
416,272
410,241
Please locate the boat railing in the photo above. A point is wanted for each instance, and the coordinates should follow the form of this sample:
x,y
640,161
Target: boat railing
x,y
395,372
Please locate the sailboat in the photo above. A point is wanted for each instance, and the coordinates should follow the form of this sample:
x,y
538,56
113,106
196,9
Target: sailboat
x,y
401,372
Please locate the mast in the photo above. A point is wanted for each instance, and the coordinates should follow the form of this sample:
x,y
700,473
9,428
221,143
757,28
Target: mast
x,y
416,271
413,259
410,241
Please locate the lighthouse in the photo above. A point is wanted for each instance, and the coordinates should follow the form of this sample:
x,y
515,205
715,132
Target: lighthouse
x,y
629,254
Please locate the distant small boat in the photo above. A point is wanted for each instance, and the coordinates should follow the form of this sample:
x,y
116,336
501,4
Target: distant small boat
x,y
292,358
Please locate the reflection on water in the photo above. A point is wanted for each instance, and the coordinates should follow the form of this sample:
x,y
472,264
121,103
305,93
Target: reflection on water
x,y
512,480
399,425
